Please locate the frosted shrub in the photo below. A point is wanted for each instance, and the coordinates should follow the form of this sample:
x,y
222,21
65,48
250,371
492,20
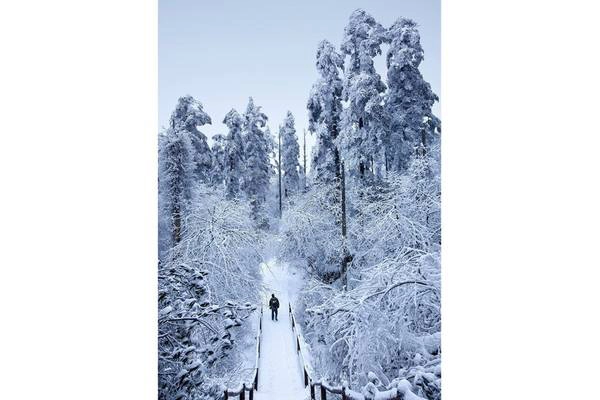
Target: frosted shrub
x,y
388,319
207,288
310,233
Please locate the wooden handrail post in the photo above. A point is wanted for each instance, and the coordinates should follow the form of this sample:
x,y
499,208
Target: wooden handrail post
x,y
344,397
243,392
226,396
323,392
312,391
256,379
251,396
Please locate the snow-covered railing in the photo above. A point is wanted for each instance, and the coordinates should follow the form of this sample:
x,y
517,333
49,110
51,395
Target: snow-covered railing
x,y
246,386
401,392
305,368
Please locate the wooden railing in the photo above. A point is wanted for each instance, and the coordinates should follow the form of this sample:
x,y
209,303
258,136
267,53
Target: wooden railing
x,y
246,386
323,387
305,369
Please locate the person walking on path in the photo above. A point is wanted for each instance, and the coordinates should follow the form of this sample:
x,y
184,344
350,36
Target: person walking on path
x,y
273,305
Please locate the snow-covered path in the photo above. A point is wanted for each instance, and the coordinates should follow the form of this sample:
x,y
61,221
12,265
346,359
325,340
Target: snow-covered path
x,y
279,373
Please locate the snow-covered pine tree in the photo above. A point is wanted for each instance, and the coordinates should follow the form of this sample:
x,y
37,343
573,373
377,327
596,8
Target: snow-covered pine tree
x,y
219,159
409,100
187,117
363,121
257,165
234,148
324,108
180,163
290,155
176,172
270,140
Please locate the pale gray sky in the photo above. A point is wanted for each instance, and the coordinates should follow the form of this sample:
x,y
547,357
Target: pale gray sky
x,y
222,52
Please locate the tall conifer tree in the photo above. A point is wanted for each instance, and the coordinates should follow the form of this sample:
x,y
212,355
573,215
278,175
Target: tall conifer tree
x,y
184,158
234,150
257,147
324,108
290,151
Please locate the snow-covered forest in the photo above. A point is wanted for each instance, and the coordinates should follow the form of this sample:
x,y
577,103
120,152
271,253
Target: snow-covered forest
x,y
357,220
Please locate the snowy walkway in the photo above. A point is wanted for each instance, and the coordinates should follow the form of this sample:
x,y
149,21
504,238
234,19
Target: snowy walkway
x,y
279,373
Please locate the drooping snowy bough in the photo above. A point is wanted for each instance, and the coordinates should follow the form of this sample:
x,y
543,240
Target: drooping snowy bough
x,y
388,318
208,286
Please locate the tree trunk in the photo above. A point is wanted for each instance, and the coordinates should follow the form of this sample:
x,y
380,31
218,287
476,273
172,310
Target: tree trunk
x,y
345,256
176,224
336,152
343,190
387,167
279,168
304,162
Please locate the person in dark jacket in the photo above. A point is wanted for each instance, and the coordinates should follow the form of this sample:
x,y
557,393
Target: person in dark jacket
x,y
273,305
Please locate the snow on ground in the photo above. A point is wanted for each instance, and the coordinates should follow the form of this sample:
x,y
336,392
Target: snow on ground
x,y
279,376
